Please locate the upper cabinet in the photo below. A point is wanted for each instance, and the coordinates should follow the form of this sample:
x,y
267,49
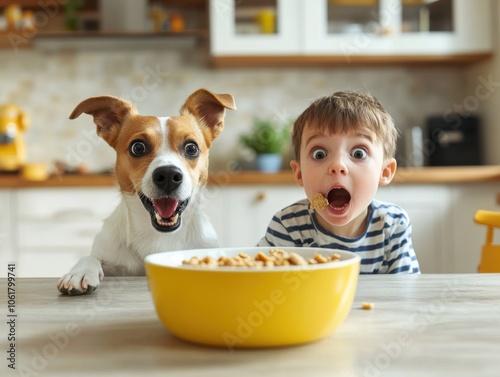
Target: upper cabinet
x,y
259,27
345,31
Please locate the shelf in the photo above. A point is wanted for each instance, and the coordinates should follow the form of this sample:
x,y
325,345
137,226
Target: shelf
x,y
104,34
404,175
328,61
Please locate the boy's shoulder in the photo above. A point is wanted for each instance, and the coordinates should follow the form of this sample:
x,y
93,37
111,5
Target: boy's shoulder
x,y
390,212
299,208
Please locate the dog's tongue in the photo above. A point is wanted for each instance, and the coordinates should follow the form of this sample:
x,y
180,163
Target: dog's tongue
x,y
165,206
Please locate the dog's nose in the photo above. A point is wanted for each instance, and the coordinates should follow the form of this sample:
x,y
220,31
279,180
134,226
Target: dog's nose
x,y
167,178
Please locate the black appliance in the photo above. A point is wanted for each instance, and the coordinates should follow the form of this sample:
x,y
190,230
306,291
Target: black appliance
x,y
453,141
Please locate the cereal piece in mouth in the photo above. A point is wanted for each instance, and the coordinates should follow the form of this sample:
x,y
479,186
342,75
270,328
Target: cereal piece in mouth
x,y
318,201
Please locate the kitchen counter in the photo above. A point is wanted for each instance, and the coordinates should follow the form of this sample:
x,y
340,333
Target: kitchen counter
x,y
426,175
421,325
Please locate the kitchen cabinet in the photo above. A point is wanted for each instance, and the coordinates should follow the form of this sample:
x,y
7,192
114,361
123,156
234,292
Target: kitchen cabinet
x,y
397,27
340,31
234,27
52,228
46,230
428,207
5,231
241,214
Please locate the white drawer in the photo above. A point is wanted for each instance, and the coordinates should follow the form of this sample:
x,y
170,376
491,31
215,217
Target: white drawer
x,y
51,234
68,204
49,264
5,224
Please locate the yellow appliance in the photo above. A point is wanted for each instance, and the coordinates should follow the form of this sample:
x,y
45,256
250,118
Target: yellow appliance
x,y
13,123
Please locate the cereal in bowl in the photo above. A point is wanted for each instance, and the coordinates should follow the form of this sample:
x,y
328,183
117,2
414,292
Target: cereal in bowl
x,y
276,258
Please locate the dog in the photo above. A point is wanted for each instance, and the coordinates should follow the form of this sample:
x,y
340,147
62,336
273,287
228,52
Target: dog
x,y
161,169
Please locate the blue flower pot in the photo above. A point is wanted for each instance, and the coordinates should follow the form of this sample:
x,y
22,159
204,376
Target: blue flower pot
x,y
269,162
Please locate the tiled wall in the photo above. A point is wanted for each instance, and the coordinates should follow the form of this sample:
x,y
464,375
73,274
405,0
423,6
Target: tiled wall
x,y
49,84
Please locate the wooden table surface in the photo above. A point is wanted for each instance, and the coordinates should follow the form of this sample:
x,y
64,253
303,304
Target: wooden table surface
x,y
426,325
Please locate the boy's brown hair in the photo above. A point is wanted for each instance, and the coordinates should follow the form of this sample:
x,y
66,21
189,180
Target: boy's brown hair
x,y
346,111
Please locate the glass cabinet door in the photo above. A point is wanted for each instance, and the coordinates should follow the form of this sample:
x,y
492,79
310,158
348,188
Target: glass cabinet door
x,y
351,17
254,27
424,16
396,27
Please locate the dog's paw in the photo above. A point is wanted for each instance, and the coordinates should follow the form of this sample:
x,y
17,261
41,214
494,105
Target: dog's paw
x,y
84,278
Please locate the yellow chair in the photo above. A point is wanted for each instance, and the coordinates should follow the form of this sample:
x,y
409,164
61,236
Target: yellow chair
x,y
490,255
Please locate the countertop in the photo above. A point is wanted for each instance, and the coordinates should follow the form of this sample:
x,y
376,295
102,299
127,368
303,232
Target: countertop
x,y
426,175
422,325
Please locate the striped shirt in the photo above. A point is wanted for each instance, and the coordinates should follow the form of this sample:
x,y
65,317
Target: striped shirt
x,y
385,246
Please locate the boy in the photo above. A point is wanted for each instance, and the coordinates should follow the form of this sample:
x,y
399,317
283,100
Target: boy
x,y
344,148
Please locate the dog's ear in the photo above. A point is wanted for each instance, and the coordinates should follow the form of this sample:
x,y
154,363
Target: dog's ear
x,y
209,108
108,112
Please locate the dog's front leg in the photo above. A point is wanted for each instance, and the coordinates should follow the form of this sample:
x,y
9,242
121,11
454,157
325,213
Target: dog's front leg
x,y
83,278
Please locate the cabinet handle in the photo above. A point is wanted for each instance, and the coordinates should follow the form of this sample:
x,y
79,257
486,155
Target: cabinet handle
x,y
261,196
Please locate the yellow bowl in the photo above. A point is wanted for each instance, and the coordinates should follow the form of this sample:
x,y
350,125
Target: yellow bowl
x,y
243,307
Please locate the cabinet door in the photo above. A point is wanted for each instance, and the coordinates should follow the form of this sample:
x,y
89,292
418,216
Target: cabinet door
x,y
397,27
6,254
241,214
55,227
428,207
252,208
267,27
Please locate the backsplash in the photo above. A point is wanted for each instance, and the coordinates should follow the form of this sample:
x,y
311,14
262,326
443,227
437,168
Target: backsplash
x,y
49,84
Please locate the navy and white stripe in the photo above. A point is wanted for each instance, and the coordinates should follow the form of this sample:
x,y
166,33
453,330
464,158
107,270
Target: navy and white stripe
x,y
385,246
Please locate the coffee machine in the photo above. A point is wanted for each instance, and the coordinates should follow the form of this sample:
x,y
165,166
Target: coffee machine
x,y
13,123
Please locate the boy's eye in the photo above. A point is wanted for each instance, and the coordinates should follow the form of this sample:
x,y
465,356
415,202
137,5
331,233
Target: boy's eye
x,y
318,154
359,153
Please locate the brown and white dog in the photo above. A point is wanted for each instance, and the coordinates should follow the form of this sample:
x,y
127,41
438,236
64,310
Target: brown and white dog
x,y
161,169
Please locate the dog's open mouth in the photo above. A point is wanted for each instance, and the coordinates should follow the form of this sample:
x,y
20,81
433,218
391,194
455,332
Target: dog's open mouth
x,y
165,212
339,198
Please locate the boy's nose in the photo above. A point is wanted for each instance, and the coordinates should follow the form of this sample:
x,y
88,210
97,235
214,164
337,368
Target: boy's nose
x,y
338,167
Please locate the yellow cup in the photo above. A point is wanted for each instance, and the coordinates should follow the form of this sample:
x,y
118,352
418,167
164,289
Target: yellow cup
x,y
267,21
35,172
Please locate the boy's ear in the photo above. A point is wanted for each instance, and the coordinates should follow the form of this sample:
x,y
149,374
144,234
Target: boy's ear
x,y
297,172
388,172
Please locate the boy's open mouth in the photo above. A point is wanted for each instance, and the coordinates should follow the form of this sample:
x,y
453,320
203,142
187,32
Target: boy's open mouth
x,y
338,198
165,212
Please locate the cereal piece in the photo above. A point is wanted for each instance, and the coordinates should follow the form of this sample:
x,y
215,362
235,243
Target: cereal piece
x,y
367,305
335,257
297,259
279,253
319,258
262,257
318,201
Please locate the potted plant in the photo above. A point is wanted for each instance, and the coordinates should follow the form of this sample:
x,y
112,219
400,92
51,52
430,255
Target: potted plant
x,y
267,139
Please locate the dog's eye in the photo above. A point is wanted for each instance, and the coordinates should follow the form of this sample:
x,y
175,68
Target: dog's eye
x,y
137,148
191,149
